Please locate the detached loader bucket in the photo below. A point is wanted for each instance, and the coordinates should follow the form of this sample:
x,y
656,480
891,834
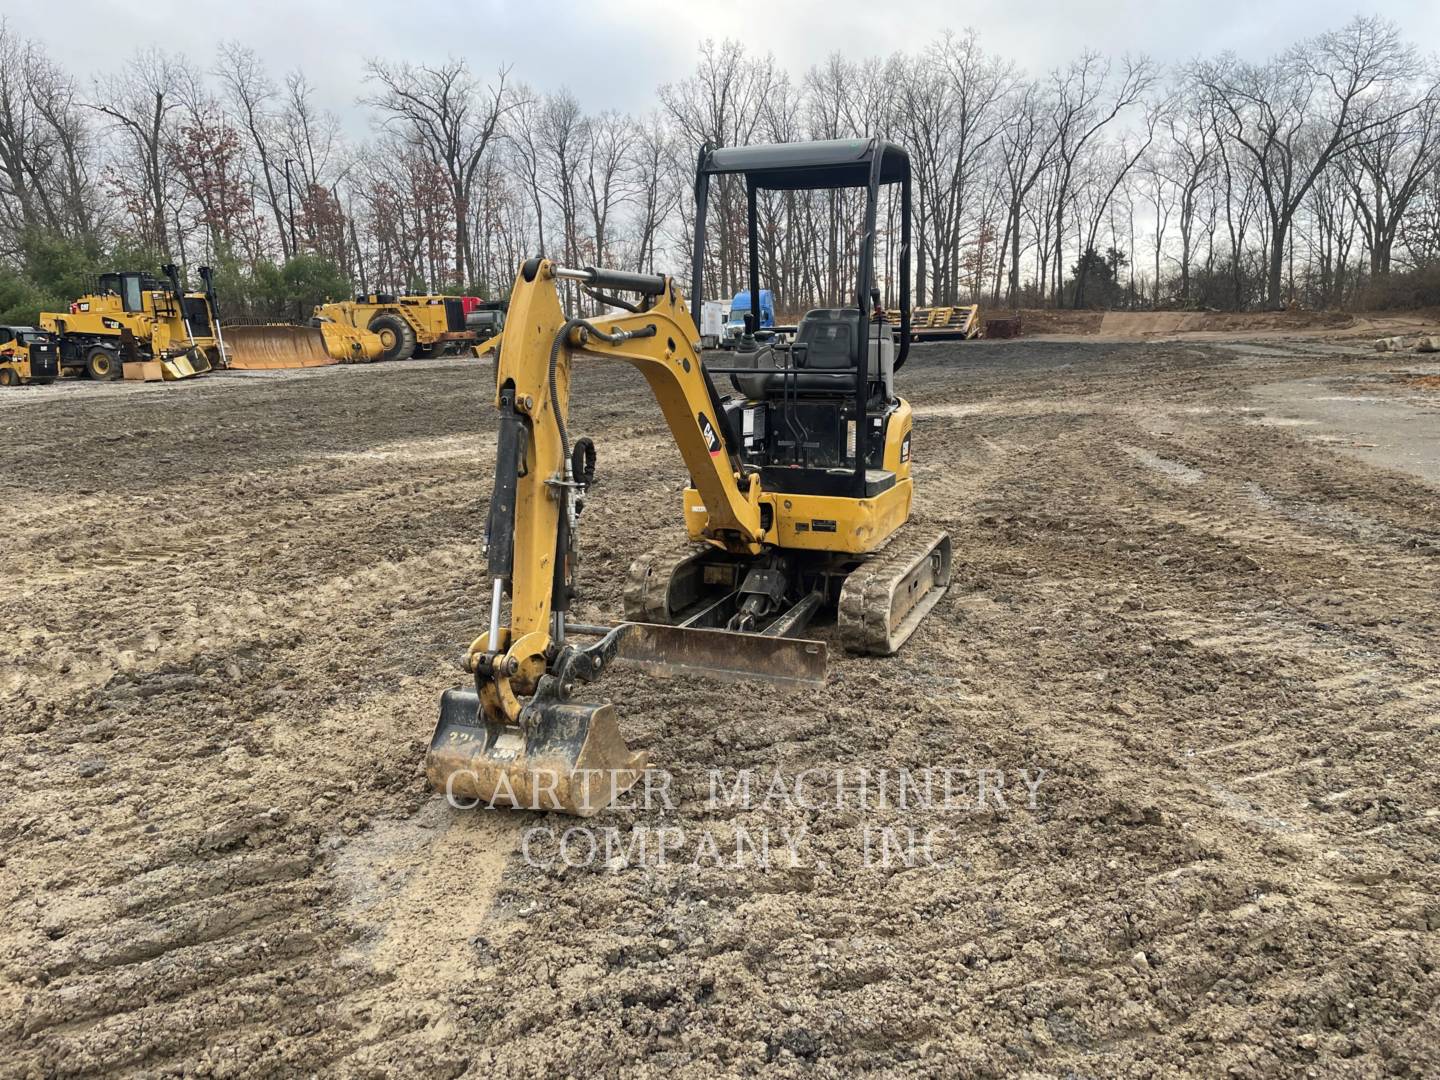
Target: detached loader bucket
x,y
185,365
569,757
261,348
349,345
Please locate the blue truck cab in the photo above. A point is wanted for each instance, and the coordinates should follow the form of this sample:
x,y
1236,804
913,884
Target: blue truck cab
x,y
740,307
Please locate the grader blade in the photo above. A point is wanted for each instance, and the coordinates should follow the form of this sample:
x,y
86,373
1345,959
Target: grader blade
x,y
262,348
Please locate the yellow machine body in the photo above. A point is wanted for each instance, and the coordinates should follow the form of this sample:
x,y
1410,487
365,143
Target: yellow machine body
x,y
26,356
516,739
405,326
798,505
135,318
831,523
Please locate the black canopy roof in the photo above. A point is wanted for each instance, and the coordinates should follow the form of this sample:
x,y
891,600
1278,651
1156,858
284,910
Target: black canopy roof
x,y
831,163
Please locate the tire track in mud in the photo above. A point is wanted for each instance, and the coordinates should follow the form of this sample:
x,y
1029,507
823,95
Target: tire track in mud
x,y
225,899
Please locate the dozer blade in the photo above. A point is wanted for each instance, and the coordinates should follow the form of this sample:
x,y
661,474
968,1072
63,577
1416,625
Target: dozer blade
x,y
723,654
565,757
261,348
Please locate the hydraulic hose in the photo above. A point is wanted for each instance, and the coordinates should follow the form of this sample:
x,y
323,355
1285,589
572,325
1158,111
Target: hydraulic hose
x,y
560,339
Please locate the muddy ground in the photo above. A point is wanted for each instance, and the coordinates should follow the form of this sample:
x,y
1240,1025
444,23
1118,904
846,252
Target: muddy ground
x,y
227,610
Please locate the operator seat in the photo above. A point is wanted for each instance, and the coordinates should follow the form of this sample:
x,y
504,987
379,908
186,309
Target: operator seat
x,y
816,361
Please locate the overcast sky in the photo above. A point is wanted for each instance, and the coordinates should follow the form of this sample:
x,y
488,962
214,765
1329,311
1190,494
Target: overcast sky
x,y
614,53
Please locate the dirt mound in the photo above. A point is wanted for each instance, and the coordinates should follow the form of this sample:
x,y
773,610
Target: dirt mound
x,y
1036,321
1120,325
1154,323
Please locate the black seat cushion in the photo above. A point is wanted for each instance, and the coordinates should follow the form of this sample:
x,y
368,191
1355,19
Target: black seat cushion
x,y
824,340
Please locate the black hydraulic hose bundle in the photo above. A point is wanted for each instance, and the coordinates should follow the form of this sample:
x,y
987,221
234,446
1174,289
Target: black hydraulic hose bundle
x,y
560,339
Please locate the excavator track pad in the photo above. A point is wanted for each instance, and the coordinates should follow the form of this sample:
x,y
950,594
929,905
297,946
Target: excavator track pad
x,y
885,599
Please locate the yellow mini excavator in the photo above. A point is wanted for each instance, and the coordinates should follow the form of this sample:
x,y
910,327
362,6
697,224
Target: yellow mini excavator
x,y
798,507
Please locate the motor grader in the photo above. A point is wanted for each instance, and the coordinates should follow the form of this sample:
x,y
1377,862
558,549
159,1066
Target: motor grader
x,y
797,512
407,326
140,326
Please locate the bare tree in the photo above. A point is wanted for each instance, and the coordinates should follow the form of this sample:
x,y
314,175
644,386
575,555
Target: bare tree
x,y
722,104
452,119
139,103
250,95
1087,99
1190,163
657,185
1026,143
1297,113
608,180
1385,172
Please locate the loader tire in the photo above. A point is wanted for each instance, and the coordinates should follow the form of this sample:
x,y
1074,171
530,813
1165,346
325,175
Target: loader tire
x,y
8,377
397,337
101,364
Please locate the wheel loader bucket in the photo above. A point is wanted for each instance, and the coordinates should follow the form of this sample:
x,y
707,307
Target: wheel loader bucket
x,y
563,756
351,345
490,346
260,348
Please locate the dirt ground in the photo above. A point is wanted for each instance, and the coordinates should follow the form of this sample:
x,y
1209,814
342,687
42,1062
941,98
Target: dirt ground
x,y
1123,325
227,610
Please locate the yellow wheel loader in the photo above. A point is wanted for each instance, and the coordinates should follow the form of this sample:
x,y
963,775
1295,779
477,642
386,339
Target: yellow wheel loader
x,y
138,326
407,326
798,507
27,355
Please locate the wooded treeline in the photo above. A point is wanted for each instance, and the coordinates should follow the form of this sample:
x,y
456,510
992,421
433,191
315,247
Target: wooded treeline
x,y
1308,177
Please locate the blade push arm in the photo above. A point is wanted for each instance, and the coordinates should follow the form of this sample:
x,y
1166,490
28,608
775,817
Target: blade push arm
x,y
534,503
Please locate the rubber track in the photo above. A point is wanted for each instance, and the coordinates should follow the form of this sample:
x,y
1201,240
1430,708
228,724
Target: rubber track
x,y
863,616
648,581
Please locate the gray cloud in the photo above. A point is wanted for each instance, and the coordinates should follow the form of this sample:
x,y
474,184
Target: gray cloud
x,y
615,53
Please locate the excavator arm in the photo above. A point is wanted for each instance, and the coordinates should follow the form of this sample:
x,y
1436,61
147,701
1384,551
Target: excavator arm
x,y
533,396
516,739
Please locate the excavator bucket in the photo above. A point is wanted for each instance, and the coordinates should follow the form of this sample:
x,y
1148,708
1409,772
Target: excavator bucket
x,y
260,348
571,758
565,757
